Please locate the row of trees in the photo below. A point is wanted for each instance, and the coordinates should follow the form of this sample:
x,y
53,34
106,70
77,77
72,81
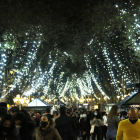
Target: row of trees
x,y
36,34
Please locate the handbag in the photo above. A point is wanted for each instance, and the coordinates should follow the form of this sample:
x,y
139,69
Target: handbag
x,y
92,129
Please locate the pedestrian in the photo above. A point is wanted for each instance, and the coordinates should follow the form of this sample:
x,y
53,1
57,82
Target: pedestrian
x,y
55,115
76,123
33,117
65,125
104,127
85,126
48,112
80,116
26,114
46,131
14,110
37,119
8,130
25,128
3,109
112,121
129,129
96,120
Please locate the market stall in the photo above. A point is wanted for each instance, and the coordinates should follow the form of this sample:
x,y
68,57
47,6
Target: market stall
x,y
37,104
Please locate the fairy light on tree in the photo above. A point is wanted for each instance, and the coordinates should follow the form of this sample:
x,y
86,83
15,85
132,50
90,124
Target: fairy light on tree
x,y
41,55
110,69
30,56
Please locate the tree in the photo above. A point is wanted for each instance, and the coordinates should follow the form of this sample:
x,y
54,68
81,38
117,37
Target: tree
x,y
66,34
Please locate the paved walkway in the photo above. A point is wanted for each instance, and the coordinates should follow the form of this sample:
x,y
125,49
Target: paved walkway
x,y
81,138
90,138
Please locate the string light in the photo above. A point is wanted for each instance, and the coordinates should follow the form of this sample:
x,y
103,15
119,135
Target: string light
x,y
45,79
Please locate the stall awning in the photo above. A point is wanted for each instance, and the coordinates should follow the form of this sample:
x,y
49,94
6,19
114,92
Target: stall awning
x,y
133,99
38,102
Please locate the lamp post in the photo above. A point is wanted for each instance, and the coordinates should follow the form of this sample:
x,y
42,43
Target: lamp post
x,y
48,100
21,101
118,97
82,100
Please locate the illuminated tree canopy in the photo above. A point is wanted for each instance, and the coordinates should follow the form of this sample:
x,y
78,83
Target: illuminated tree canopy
x,y
70,47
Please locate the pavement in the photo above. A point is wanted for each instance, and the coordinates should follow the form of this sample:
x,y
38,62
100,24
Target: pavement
x,y
90,138
81,138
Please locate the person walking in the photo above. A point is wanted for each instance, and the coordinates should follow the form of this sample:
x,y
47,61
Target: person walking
x,y
33,117
46,131
113,122
8,130
37,119
48,112
14,110
55,115
65,125
3,109
24,126
85,126
129,129
76,123
104,127
96,120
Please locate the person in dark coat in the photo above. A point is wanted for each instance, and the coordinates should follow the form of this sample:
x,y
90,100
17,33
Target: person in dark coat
x,y
65,125
48,112
37,119
3,109
104,127
26,114
26,128
46,131
85,126
96,120
8,130
76,123
14,110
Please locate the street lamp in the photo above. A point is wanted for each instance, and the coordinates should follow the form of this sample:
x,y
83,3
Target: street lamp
x,y
105,98
21,101
125,96
118,97
82,100
48,100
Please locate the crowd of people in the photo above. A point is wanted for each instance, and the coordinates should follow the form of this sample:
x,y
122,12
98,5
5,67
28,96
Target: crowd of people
x,y
68,124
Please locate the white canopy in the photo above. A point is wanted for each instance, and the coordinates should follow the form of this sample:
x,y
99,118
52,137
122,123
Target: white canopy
x,y
38,102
